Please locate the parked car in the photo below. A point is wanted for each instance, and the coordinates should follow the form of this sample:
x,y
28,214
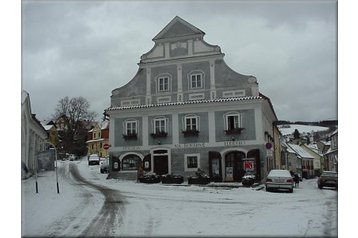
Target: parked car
x,y
248,179
279,179
328,179
93,159
104,165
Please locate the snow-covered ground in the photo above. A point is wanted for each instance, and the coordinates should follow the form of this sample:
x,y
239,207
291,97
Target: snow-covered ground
x,y
301,128
172,210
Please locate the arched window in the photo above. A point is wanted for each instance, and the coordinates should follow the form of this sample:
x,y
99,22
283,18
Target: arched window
x,y
131,162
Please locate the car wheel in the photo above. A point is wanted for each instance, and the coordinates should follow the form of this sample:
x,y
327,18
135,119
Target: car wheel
x,y
291,190
320,186
268,189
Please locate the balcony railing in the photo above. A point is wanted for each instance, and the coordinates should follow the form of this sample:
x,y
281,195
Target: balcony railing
x,y
188,133
234,131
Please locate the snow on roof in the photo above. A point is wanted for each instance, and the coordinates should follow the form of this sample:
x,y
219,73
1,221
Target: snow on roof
x,y
47,127
105,124
300,151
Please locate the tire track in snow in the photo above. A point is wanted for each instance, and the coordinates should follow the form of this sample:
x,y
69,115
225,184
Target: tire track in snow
x,y
70,224
110,215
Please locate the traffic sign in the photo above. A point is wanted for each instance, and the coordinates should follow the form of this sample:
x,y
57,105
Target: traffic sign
x,y
106,146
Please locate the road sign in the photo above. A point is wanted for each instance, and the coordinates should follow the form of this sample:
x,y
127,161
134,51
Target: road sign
x,y
106,146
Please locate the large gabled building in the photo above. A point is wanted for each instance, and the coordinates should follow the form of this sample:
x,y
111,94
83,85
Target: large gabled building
x,y
186,109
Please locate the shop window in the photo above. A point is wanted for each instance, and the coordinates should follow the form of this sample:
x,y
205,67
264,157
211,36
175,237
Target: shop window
x,y
191,162
131,162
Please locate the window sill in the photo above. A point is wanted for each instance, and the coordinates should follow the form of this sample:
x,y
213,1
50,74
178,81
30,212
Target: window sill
x,y
130,137
159,135
190,133
236,131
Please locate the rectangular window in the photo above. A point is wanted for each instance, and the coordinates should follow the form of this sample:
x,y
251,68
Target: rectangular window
x,y
191,162
163,84
191,123
196,81
131,127
233,121
160,125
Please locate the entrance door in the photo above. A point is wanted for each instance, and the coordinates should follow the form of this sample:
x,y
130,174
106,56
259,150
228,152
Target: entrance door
x,y
160,162
233,166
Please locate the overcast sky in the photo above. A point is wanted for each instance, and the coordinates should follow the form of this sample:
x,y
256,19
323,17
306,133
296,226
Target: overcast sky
x,y
87,48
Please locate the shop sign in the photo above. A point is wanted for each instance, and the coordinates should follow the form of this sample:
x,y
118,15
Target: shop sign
x,y
190,145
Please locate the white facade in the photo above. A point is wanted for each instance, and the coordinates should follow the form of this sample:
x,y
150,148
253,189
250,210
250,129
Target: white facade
x,y
33,135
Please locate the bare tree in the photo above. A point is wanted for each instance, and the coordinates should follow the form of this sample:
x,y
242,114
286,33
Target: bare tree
x,y
76,116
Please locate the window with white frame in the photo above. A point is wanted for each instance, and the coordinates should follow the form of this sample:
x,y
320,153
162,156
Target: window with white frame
x,y
131,127
191,162
196,81
232,121
160,125
191,123
163,84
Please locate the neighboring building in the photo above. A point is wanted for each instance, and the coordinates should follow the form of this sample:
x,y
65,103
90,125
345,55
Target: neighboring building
x,y
33,137
186,109
318,157
290,160
331,155
98,136
52,134
306,168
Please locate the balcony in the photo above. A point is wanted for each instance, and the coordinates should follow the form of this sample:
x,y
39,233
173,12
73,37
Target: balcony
x,y
130,136
159,134
188,133
234,131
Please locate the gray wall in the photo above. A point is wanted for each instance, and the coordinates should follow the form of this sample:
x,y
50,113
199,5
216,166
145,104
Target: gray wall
x,y
248,122
118,133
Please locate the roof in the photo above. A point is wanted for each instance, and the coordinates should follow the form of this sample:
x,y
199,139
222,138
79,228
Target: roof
x,y
178,28
300,151
217,100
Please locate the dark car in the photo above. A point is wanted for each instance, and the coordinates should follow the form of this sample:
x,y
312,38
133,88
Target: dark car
x,y
328,179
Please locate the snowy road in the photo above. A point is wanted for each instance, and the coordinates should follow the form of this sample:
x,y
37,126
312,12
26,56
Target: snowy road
x,y
91,205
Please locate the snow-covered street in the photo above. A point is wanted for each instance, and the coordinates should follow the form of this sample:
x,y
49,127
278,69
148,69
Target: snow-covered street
x,y
169,210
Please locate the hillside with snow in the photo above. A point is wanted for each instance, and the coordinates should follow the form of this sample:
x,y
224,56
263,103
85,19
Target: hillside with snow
x,y
288,129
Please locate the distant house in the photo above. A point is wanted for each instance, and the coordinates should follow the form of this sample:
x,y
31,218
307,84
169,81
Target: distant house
x,y
331,155
98,136
33,137
312,149
307,169
52,133
290,160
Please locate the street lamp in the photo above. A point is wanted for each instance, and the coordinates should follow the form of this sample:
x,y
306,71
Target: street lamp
x,y
54,147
